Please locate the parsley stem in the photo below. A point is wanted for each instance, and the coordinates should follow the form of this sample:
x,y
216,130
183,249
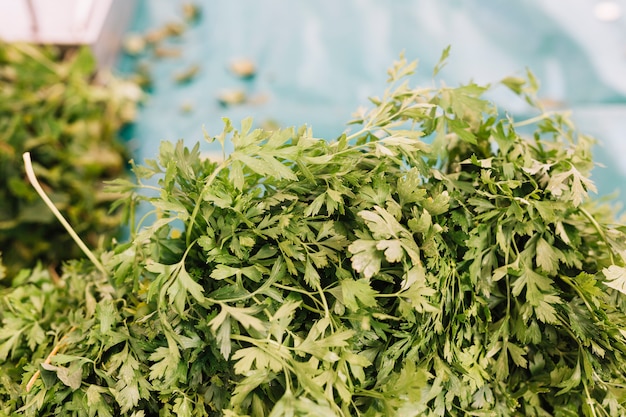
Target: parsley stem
x,y
307,293
366,129
30,173
533,120
324,302
600,232
54,351
580,294
589,400
144,218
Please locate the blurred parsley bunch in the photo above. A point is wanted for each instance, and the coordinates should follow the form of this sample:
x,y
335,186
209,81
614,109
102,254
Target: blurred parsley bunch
x,y
52,106
433,263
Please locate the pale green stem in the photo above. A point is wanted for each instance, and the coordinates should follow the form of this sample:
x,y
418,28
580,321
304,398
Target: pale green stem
x,y
589,400
324,302
367,128
598,228
533,120
569,282
30,173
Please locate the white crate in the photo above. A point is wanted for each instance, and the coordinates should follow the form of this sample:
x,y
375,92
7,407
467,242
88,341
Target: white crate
x,y
99,24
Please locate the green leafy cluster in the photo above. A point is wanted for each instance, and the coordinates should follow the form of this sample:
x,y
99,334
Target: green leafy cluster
x,y
433,263
51,106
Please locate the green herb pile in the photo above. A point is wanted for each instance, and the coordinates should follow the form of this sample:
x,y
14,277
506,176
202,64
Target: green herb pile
x,y
433,263
51,106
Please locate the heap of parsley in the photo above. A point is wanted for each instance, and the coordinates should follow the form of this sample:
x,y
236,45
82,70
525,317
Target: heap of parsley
x,y
434,263
53,106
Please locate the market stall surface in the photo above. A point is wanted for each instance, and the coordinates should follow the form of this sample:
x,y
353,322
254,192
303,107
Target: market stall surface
x,y
318,61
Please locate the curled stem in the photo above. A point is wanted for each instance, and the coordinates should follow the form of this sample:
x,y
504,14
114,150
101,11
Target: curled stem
x,y
30,173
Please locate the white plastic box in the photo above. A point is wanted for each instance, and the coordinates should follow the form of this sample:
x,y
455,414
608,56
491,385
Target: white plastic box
x,y
100,24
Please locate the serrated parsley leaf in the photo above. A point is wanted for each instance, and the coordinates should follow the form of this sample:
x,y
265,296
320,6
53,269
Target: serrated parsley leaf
x,y
547,256
366,258
381,223
616,277
357,293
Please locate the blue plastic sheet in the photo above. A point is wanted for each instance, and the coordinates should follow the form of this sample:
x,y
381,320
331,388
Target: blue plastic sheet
x,y
319,60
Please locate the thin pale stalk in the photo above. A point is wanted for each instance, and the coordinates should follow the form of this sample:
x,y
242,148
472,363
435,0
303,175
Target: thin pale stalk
x,y
600,231
54,351
30,173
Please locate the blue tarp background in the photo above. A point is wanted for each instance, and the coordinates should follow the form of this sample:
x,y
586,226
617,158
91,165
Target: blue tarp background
x,y
319,60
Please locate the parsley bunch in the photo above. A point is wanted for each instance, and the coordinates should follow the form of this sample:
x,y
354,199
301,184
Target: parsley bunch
x,y
433,263
52,106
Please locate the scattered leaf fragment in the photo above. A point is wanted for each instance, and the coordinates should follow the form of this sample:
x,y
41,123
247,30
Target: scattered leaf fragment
x,y
187,75
243,68
232,97
134,44
191,12
187,107
163,52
